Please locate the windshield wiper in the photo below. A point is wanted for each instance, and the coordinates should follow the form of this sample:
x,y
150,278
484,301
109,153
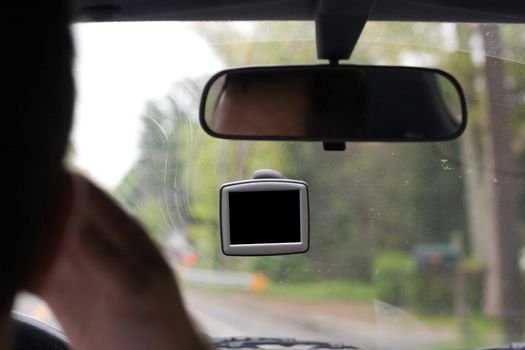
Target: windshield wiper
x,y
255,342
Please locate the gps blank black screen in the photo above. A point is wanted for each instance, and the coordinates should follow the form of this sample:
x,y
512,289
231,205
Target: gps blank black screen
x,y
265,217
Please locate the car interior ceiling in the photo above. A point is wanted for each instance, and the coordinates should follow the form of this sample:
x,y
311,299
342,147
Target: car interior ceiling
x,y
476,11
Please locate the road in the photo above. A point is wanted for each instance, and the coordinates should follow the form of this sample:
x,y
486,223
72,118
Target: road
x,y
374,326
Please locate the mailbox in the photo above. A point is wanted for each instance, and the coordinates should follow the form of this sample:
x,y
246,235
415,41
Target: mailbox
x,y
436,257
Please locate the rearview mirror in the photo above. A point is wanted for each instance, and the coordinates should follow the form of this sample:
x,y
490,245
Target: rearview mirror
x,y
333,103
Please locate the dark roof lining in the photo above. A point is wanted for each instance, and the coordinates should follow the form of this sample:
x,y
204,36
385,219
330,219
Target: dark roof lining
x,y
477,11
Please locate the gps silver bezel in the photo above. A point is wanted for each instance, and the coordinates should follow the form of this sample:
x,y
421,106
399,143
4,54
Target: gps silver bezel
x,y
264,248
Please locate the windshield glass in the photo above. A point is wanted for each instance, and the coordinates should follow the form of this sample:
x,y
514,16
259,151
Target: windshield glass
x,y
412,245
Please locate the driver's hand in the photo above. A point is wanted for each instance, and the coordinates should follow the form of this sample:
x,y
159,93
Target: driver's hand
x,y
107,283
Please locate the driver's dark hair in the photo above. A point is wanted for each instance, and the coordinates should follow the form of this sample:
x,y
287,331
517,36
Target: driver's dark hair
x,y
339,103
37,105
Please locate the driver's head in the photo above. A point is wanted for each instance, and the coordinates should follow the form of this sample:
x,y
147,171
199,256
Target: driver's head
x,y
36,115
262,104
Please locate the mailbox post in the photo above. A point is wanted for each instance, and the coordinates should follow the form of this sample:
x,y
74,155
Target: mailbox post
x,y
444,259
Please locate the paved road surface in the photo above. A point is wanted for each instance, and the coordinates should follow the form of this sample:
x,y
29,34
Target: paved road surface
x,y
375,326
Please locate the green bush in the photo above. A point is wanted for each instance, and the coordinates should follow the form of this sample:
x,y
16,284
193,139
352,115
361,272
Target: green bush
x,y
475,280
434,292
394,276
398,282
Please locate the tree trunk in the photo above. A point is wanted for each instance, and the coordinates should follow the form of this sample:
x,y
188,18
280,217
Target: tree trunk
x,y
475,196
504,277
471,152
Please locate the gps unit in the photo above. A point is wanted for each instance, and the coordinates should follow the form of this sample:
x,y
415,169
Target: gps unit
x,y
264,216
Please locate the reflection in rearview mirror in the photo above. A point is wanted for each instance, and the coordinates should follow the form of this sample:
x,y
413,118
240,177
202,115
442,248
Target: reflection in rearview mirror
x,y
334,103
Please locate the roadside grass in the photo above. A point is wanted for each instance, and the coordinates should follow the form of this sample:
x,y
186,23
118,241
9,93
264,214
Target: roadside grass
x,y
481,332
470,341
477,324
326,290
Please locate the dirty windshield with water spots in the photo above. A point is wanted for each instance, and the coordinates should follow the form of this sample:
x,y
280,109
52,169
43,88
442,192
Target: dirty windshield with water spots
x,y
413,246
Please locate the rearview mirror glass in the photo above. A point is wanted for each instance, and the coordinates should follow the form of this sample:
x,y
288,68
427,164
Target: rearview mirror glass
x,y
333,103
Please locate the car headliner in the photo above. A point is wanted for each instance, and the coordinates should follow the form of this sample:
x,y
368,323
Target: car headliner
x,y
501,11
